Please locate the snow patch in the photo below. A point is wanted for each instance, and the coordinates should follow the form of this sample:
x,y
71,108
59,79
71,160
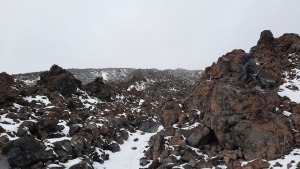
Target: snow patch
x,y
284,161
104,76
291,87
38,98
192,126
53,140
286,113
127,157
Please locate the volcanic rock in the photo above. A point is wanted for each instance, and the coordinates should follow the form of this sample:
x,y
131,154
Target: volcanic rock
x,y
7,89
231,108
99,89
236,119
24,152
59,79
147,124
170,113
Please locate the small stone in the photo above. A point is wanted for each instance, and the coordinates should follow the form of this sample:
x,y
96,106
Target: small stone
x,y
277,164
133,148
136,139
144,161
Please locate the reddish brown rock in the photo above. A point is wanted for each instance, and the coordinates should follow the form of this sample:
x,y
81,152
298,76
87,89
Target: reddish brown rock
x,y
297,139
178,140
8,89
231,108
170,113
59,79
99,89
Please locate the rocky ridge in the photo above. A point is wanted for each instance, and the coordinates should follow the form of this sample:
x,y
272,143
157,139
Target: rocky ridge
x,y
231,119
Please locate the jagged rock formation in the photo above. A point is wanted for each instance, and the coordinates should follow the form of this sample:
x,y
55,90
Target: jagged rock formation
x,y
59,79
230,119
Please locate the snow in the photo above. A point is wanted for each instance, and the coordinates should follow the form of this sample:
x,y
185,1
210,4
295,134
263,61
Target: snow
x,y
8,124
287,159
139,86
17,106
294,155
141,102
88,101
70,163
192,126
30,82
38,98
291,87
105,76
53,166
8,136
10,127
53,140
286,113
127,157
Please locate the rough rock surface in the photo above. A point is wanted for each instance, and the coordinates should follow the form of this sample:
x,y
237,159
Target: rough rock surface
x,y
7,88
59,79
235,119
99,89
231,108
24,152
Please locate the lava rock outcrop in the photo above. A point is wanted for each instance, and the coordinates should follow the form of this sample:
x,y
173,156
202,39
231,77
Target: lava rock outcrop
x,y
247,116
235,119
99,89
59,79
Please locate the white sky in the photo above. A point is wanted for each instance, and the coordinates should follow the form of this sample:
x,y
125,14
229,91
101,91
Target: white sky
x,y
190,34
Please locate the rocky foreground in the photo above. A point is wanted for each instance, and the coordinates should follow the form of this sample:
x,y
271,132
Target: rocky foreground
x,y
242,112
53,120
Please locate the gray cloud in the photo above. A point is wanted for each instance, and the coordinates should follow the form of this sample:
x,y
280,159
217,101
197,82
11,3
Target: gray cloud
x,y
160,34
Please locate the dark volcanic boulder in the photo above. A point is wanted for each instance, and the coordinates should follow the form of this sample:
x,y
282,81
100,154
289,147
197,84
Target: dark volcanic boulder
x,y
147,124
99,89
24,152
7,89
59,79
170,113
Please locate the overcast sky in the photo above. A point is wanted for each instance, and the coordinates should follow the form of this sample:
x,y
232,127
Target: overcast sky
x,y
190,34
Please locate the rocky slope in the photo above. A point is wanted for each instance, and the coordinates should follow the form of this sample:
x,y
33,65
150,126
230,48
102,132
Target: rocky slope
x,y
242,112
243,107
53,120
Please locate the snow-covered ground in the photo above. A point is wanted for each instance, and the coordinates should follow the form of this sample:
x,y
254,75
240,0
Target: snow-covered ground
x,y
131,152
291,159
291,88
128,157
